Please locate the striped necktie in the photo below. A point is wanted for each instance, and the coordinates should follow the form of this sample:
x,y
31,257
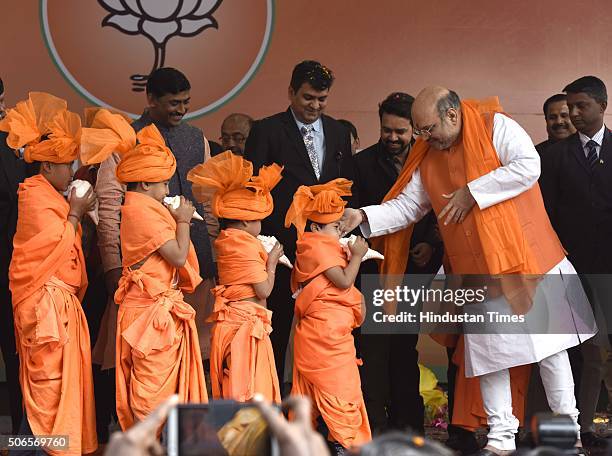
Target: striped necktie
x,y
310,148
592,157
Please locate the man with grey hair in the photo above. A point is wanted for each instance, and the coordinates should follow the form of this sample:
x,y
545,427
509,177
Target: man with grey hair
x,y
478,170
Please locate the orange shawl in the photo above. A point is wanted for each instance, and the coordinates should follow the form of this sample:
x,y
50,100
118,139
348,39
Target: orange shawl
x,y
241,334
158,352
325,364
46,275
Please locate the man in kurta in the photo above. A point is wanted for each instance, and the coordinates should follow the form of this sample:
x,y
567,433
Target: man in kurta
x,y
158,353
478,170
241,356
328,307
48,278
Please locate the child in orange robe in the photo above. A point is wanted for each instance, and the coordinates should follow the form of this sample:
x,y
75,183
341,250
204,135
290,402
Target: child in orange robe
x,y
158,353
48,279
241,356
327,308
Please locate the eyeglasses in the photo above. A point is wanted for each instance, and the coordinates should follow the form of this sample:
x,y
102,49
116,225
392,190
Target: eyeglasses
x,y
236,137
424,132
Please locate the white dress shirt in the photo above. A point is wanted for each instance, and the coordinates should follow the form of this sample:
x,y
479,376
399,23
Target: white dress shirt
x,y
597,137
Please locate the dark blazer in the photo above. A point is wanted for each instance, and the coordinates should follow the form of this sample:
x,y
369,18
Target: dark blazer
x,y
12,172
541,147
276,139
579,202
187,145
374,177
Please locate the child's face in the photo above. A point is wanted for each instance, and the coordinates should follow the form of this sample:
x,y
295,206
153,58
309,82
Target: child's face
x,y
329,229
58,174
253,227
156,190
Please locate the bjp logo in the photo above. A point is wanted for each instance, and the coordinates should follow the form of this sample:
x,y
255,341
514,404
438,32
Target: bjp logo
x,y
107,48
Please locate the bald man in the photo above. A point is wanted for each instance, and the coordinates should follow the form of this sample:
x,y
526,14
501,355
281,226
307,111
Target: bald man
x,y
468,164
235,131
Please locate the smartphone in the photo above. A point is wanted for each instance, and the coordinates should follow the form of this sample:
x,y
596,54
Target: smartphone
x,y
220,427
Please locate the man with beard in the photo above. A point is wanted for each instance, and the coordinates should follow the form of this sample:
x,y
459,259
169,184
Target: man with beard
x,y
558,123
576,185
234,132
390,361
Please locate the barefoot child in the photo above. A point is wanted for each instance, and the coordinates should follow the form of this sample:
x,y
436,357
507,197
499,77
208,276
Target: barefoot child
x,y
158,353
241,356
327,308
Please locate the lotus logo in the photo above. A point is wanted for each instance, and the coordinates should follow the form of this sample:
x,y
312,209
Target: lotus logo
x,y
106,49
159,21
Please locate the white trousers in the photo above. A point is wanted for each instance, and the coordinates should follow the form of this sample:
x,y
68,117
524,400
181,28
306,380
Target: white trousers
x,y
558,382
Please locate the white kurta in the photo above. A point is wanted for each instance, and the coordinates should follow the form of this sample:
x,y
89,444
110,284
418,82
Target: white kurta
x,y
520,170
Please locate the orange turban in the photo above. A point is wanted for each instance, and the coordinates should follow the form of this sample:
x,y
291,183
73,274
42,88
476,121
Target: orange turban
x,y
144,155
227,181
319,203
42,115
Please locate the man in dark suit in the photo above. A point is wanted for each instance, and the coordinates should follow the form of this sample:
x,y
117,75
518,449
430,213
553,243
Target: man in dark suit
x,y
576,183
313,148
390,379
12,172
558,123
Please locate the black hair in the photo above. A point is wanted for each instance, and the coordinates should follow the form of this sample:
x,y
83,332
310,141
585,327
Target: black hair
x,y
1,86
318,76
224,223
451,100
131,186
165,81
554,99
349,125
398,104
591,85
403,444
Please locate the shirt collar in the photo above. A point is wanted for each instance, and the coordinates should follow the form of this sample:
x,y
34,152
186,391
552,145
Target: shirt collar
x,y
316,125
597,137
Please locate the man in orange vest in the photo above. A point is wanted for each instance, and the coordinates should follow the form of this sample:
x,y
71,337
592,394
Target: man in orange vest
x,y
478,170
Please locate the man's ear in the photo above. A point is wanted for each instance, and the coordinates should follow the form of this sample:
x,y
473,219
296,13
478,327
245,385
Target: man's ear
x,y
290,93
144,185
151,100
46,167
314,227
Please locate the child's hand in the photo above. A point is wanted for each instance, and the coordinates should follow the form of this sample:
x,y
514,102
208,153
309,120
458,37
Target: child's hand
x,y
184,212
274,254
82,204
359,247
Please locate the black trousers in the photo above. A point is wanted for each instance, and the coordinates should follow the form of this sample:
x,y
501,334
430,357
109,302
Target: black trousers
x,y
10,357
281,304
390,381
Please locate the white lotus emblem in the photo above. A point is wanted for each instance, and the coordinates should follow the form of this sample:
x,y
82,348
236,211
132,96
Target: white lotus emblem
x,y
159,20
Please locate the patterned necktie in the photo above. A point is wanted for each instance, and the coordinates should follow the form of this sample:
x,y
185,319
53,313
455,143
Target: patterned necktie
x,y
310,148
591,147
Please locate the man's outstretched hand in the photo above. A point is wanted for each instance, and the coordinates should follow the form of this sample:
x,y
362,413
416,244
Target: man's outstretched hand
x,y
350,220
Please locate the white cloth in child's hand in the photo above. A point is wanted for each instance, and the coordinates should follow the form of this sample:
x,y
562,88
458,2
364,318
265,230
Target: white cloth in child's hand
x,y
175,202
82,186
268,243
370,254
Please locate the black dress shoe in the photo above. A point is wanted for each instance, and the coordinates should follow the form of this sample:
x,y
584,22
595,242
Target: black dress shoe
x,y
462,440
590,440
